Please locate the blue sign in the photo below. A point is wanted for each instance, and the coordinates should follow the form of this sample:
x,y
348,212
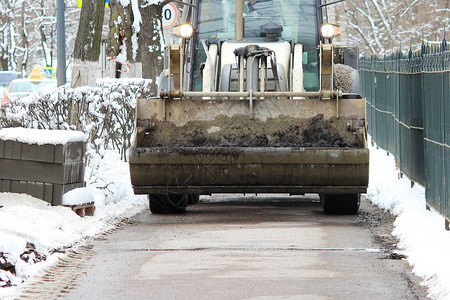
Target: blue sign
x,y
49,72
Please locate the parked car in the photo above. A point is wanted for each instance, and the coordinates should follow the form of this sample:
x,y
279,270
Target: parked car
x,y
19,88
5,79
7,76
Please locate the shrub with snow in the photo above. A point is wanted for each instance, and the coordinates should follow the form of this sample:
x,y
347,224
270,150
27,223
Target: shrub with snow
x,y
105,112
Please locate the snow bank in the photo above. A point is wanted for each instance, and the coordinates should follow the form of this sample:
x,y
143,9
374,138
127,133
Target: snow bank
x,y
12,245
32,232
422,236
41,137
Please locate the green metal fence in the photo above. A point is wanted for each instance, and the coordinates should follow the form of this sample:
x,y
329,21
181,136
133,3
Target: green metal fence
x,y
408,111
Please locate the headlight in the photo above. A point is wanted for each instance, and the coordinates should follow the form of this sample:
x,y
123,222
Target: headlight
x,y
185,31
330,31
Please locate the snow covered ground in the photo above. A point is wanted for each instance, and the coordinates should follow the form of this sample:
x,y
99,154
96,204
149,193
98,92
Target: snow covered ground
x,y
25,220
423,238
33,235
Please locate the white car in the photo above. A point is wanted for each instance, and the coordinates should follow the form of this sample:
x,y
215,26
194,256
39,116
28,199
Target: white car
x,y
19,88
5,79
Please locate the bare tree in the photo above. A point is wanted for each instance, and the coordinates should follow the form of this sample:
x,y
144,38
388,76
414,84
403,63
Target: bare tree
x,y
27,33
382,26
12,31
141,25
150,42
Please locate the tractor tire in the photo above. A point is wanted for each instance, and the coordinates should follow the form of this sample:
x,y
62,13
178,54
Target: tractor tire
x,y
168,203
340,204
193,199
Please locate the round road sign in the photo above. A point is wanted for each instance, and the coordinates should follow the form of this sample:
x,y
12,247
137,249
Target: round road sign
x,y
170,15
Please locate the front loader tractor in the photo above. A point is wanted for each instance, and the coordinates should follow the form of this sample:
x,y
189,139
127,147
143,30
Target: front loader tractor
x,y
253,98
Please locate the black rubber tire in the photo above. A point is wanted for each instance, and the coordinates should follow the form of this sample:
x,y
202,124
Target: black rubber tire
x,y
168,203
341,204
193,199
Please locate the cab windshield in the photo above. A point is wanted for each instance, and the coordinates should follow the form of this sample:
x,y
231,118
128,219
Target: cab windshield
x,y
217,19
299,19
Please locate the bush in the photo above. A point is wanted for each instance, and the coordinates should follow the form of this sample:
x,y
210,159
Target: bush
x,y
105,112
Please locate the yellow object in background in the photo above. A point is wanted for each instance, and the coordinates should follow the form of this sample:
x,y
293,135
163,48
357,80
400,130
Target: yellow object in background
x,y
80,3
36,73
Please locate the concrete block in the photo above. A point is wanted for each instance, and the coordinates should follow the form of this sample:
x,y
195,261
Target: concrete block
x,y
32,151
48,192
31,188
58,191
8,149
59,155
2,148
5,186
45,153
41,171
74,172
39,190
23,187
36,189
15,186
17,149
70,152
25,151
74,152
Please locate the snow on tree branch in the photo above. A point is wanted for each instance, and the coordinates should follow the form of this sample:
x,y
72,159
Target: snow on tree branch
x,y
381,26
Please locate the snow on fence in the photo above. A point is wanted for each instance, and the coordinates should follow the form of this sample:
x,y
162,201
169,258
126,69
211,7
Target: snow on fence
x,y
42,163
408,111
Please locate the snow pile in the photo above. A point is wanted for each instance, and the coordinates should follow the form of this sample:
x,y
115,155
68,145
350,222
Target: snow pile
x,y
41,137
33,234
78,196
109,177
30,231
423,238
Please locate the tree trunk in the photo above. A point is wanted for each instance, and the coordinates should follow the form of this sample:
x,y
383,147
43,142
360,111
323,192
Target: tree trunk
x,y
22,61
44,45
120,35
150,42
87,43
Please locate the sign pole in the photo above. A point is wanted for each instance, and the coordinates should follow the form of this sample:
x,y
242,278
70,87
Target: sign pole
x,y
61,42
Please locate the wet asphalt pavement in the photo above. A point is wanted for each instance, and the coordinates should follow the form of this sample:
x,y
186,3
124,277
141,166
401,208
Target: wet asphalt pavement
x,y
265,247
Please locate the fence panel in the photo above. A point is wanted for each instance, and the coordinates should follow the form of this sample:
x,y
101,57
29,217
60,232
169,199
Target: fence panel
x,y
416,125
391,97
408,110
404,129
380,113
434,153
447,139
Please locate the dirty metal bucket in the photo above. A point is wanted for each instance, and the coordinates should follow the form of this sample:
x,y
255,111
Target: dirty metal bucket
x,y
283,145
